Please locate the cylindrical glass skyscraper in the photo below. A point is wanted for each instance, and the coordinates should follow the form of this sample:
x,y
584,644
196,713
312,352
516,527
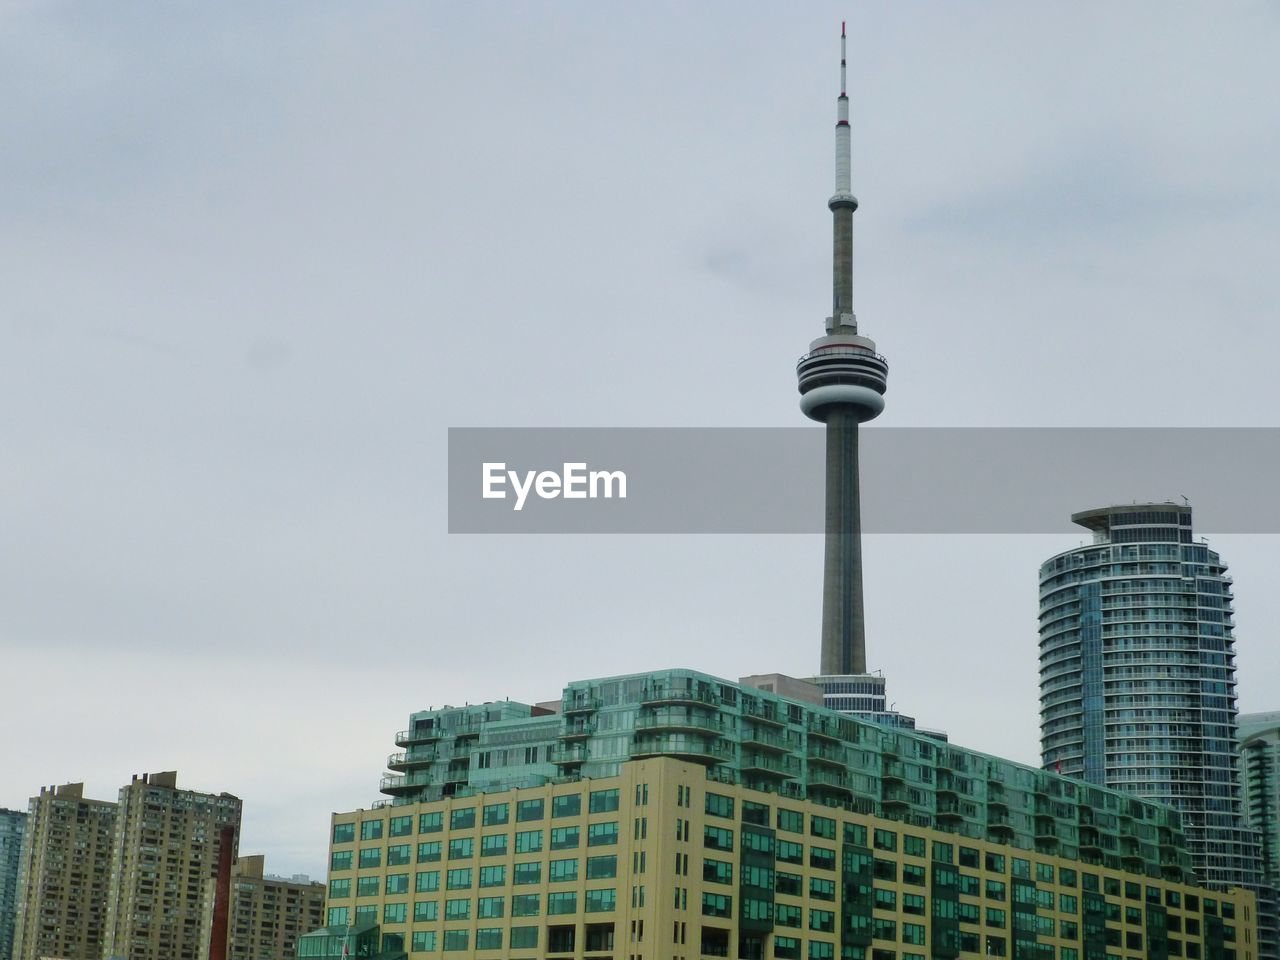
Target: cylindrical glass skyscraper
x,y
1137,676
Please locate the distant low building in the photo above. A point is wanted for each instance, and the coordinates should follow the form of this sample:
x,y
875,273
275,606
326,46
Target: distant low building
x,y
266,915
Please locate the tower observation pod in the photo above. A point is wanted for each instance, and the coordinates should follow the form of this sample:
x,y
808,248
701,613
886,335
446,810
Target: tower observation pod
x,y
842,381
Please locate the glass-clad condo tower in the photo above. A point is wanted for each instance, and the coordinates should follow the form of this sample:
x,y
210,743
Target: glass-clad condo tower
x,y
1137,676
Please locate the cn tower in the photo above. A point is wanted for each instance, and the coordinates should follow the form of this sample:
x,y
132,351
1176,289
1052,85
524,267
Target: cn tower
x,y
842,381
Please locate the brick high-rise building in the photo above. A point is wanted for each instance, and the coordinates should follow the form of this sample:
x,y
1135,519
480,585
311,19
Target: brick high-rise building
x,y
166,847
63,875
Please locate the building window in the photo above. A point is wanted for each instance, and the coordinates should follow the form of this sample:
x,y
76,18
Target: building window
x,y
462,819
601,901
524,938
489,938
395,912
718,805
426,881
820,858
564,838
790,820
527,873
493,845
562,871
823,827
338,916
790,852
602,868
856,834
370,857
461,849
344,832
526,905
458,879
429,852
822,889
885,840
717,871
423,941
371,830
368,886
457,909
529,841
431,822
494,814
787,915
493,876
603,801
561,903
491,908
339,889
602,834
568,805
398,883
398,855
456,940
527,810
717,905
401,826
717,838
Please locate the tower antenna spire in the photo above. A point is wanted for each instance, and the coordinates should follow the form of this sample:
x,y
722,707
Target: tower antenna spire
x,y
842,382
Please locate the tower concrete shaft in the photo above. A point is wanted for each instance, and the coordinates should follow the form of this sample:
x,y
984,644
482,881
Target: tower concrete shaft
x,y
844,643
842,381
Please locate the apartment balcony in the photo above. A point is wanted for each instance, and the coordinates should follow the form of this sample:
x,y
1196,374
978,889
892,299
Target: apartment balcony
x,y
581,730
411,760
687,722
764,739
576,705
893,797
1046,830
672,696
407,738
893,772
831,780
821,727
399,785
564,754
948,809
770,765
764,713
999,824
827,754
698,749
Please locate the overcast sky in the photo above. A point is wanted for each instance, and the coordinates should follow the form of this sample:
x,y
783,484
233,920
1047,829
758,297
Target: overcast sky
x,y
255,259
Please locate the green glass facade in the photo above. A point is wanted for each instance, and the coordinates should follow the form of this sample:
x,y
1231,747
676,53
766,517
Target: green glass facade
x,y
765,742
1259,737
